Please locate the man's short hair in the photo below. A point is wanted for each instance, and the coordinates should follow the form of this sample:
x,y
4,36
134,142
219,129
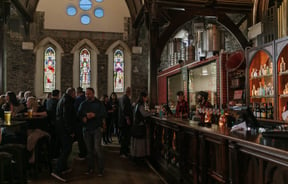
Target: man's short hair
x,y
70,91
180,93
79,90
91,89
55,92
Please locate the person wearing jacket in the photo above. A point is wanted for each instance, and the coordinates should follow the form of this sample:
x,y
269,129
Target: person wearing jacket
x,y
92,112
65,130
124,121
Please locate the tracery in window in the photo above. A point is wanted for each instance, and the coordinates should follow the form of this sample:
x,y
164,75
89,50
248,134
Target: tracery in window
x,y
85,4
85,19
118,71
71,10
85,69
49,69
99,12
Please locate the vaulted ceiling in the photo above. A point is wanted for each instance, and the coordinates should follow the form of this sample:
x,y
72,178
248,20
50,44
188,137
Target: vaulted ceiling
x,y
160,9
168,13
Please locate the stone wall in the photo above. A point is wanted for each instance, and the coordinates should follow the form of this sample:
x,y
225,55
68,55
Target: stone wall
x,y
21,63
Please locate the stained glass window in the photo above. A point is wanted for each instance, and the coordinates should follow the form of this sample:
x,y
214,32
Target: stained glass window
x,y
85,70
71,10
99,12
85,19
118,71
85,4
49,69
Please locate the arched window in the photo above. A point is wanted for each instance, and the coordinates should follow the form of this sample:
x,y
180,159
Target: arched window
x,y
85,69
118,71
49,69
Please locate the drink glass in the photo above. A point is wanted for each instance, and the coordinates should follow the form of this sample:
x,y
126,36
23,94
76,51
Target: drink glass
x,y
7,117
30,113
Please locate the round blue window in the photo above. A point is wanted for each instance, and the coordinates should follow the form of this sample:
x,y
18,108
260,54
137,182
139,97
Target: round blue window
x,y
85,19
71,10
99,12
85,4
99,1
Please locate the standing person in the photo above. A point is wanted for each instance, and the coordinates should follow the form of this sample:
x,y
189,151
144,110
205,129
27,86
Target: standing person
x,y
114,116
51,106
182,108
140,146
79,125
92,112
65,128
108,107
48,96
202,102
125,117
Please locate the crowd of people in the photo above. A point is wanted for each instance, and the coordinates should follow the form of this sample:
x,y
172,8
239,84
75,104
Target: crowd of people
x,y
80,116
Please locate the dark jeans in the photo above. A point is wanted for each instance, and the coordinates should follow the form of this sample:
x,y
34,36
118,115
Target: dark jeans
x,y
55,143
66,148
93,142
80,139
125,140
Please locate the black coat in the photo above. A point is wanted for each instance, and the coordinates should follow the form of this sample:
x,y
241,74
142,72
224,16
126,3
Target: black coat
x,y
66,115
125,111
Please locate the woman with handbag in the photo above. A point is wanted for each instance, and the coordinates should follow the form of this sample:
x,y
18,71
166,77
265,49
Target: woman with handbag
x,y
140,147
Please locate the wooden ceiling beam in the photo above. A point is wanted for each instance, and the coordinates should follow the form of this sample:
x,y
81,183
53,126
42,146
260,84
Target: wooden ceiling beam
x,y
26,8
240,6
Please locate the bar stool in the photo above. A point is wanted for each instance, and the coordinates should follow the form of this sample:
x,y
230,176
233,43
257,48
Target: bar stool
x,y
42,156
6,171
19,160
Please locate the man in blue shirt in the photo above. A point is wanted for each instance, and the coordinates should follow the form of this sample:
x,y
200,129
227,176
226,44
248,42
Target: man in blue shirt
x,y
92,113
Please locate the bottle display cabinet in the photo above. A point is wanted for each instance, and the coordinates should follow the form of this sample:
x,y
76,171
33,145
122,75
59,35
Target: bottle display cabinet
x,y
282,73
261,85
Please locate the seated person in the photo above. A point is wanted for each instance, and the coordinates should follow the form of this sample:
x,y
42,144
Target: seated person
x,y
33,104
42,121
182,108
12,104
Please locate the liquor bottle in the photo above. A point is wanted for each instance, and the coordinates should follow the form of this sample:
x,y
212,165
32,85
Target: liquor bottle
x,y
254,109
263,110
282,65
254,90
270,111
258,113
271,68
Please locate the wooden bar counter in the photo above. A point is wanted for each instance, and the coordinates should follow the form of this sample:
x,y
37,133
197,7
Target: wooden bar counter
x,y
184,152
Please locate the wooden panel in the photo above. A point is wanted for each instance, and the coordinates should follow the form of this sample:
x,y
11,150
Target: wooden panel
x,y
162,90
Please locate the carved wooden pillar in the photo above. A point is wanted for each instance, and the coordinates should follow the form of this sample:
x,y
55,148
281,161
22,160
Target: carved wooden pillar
x,y
154,55
4,13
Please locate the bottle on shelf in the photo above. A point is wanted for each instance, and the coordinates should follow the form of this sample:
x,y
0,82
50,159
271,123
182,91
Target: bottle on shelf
x,y
258,113
253,91
282,65
252,72
254,110
271,67
263,110
269,111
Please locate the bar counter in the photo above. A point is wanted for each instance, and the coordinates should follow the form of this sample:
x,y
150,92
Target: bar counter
x,y
184,152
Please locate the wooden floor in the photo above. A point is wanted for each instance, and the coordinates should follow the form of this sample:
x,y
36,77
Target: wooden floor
x,y
117,171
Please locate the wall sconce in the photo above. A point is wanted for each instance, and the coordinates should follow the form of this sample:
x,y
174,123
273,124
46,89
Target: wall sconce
x,y
204,71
